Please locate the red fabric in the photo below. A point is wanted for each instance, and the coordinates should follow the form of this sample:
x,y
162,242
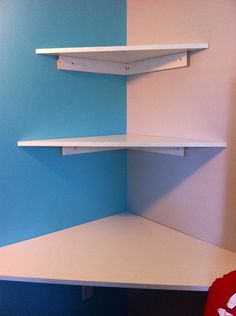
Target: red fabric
x,y
221,300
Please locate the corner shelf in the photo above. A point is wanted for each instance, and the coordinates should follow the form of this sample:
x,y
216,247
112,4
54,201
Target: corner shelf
x,y
123,250
167,145
123,60
113,252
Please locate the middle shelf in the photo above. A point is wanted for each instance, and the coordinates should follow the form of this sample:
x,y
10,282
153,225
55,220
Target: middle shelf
x,y
160,144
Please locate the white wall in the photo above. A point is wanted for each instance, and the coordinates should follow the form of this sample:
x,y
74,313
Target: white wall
x,y
195,194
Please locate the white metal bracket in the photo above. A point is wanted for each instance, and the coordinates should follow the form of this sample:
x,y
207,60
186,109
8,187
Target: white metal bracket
x,y
172,61
176,151
85,150
87,292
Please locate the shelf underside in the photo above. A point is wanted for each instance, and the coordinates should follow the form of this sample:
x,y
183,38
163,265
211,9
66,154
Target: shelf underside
x,y
123,60
122,250
160,144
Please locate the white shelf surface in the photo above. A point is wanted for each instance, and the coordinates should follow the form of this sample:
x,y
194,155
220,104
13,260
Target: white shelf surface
x,y
123,141
123,250
123,60
122,54
159,144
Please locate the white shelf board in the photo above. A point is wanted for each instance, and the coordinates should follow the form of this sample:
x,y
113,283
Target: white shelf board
x,y
123,60
122,54
124,141
123,250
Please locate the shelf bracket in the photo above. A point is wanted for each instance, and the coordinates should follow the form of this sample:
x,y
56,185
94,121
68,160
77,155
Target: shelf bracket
x,y
90,65
85,150
172,61
167,62
176,151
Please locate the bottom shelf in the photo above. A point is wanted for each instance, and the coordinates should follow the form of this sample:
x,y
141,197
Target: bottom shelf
x,y
123,250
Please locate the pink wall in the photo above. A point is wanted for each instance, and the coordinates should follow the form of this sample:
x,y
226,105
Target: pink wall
x,y
197,193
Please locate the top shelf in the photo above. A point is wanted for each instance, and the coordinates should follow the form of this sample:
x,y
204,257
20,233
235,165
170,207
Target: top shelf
x,y
122,54
160,144
123,60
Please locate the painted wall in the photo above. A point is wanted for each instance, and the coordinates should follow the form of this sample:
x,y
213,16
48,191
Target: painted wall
x,y
163,302
21,299
41,191
194,194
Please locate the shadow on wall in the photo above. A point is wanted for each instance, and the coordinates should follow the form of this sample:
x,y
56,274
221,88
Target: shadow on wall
x,y
80,188
159,302
229,219
23,299
172,170
159,188
90,179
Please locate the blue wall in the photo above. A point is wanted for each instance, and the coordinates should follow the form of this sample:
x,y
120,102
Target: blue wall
x,y
32,299
41,191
